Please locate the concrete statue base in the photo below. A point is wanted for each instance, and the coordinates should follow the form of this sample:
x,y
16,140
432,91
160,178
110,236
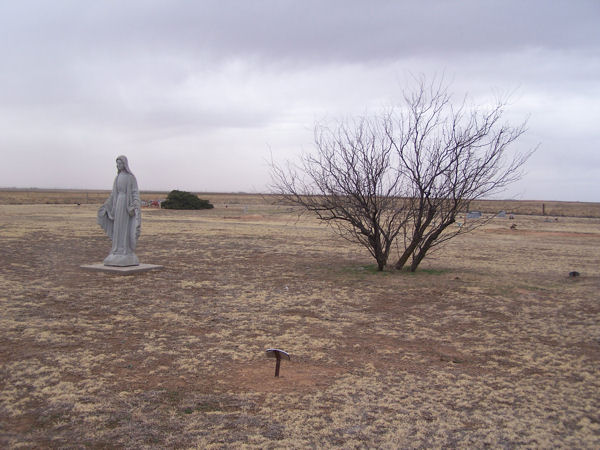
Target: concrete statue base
x,y
127,270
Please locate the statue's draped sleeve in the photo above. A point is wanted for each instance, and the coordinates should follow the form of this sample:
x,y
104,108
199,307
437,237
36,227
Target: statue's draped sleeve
x,y
133,205
105,213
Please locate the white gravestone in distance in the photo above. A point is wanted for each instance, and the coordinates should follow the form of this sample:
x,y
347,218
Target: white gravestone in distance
x,y
120,217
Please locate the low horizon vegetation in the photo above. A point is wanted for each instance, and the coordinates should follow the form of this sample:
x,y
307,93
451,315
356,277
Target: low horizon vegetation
x,y
550,208
184,200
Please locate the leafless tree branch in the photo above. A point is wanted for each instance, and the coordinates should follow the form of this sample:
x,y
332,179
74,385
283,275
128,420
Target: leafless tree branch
x,y
406,174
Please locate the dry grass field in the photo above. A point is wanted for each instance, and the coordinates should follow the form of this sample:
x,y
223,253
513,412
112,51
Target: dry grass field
x,y
489,344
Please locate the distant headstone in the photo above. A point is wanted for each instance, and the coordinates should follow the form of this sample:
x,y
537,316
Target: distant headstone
x,y
501,214
120,217
474,215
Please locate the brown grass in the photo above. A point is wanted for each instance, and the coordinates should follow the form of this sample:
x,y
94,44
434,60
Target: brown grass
x,y
490,344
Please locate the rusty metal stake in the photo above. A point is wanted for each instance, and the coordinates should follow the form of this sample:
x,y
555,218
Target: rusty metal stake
x,y
277,364
277,354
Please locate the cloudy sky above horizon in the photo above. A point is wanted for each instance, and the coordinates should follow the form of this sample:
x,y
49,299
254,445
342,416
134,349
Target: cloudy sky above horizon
x,y
201,94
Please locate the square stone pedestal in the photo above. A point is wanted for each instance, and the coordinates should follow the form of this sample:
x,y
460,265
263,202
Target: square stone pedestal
x,y
128,270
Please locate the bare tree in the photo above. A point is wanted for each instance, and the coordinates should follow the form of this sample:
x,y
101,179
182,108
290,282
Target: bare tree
x,y
405,176
452,155
352,182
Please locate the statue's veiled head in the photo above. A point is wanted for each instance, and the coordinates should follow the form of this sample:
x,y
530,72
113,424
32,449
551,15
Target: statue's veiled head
x,y
123,164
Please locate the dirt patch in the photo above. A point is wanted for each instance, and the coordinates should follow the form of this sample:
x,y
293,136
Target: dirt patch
x,y
545,233
295,377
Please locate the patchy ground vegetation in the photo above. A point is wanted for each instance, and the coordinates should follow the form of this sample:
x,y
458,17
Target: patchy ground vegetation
x,y
489,343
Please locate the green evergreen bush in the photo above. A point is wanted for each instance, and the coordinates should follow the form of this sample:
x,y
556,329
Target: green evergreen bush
x,y
184,200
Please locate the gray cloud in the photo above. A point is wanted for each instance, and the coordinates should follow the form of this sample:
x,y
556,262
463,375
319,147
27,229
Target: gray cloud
x,y
286,30
220,84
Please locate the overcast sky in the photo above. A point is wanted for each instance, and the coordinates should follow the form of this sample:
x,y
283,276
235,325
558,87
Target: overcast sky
x,y
199,94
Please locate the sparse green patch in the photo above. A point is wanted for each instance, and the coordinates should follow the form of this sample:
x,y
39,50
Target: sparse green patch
x,y
370,269
426,271
209,406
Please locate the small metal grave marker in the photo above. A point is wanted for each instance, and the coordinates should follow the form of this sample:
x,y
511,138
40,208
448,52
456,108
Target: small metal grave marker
x,y
277,354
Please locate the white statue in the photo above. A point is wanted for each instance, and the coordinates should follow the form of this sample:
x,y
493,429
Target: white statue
x,y
120,217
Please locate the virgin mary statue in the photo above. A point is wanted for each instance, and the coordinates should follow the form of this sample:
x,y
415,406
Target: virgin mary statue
x,y
120,217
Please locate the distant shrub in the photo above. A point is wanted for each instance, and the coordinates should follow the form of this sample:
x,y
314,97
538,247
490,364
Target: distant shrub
x,y
184,200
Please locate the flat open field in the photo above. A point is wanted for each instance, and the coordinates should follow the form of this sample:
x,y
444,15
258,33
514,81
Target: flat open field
x,y
72,196
489,344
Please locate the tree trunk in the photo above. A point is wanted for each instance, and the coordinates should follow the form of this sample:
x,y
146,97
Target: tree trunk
x,y
407,252
416,239
428,243
378,252
418,258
